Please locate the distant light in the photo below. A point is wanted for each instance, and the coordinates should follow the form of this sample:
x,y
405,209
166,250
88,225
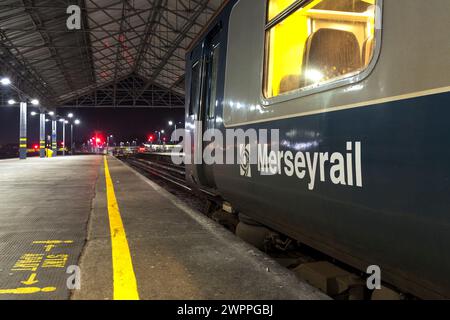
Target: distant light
x,y
62,120
51,113
5,81
35,102
70,115
170,123
66,122
77,122
162,131
47,120
11,102
33,113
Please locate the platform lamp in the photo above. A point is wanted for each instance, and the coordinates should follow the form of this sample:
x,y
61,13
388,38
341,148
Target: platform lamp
x,y
47,138
160,133
108,142
76,122
70,116
54,134
173,124
42,133
22,123
63,122
24,99
42,121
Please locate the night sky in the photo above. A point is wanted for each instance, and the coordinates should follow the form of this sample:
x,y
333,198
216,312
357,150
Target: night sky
x,y
125,124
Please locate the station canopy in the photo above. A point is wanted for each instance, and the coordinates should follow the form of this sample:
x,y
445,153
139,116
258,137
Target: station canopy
x,y
128,53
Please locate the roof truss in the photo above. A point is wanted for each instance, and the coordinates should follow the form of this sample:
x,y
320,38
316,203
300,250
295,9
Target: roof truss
x,y
119,40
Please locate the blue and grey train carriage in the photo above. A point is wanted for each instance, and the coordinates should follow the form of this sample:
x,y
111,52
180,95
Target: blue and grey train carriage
x,y
360,91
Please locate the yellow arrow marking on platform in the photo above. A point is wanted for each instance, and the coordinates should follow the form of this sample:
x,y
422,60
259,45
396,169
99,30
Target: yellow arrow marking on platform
x,y
54,242
49,245
31,280
125,286
28,290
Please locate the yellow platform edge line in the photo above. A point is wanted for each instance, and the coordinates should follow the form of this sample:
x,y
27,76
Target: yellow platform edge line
x,y
125,284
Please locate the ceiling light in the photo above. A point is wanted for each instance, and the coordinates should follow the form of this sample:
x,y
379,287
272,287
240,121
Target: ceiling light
x,y
5,81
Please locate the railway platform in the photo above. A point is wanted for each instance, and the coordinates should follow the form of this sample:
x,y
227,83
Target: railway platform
x,y
90,227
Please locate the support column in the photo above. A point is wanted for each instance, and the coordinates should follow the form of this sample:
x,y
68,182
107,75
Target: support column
x,y
23,144
64,138
71,139
42,135
54,142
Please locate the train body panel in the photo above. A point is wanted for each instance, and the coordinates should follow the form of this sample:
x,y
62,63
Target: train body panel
x,y
363,170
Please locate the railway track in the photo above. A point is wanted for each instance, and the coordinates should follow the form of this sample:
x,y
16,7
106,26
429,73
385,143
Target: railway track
x,y
170,173
161,166
160,169
348,284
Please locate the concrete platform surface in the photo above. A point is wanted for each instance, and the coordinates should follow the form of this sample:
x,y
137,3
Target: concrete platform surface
x,y
44,210
55,213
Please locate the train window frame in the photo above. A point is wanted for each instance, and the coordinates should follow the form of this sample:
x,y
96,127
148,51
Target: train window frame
x,y
350,79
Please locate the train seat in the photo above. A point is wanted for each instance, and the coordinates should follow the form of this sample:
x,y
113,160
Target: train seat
x,y
330,53
290,83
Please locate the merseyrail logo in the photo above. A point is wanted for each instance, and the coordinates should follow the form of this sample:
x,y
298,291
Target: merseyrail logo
x,y
246,169
340,168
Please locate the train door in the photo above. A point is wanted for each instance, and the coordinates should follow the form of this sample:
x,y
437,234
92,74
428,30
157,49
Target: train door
x,y
205,71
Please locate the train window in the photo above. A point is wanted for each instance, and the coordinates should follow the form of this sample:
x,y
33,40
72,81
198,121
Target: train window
x,y
213,86
315,42
278,6
195,89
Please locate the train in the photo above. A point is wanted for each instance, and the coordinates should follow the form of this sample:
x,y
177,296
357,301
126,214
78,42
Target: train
x,y
358,92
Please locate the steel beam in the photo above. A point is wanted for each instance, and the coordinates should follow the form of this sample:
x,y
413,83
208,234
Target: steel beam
x,y
118,39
